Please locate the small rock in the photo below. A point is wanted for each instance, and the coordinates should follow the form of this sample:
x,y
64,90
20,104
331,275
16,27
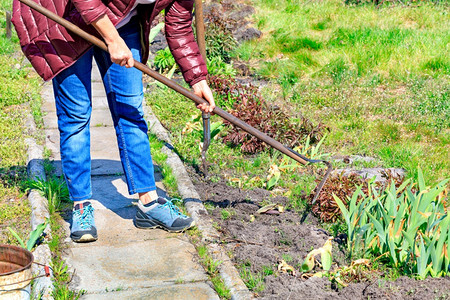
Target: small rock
x,y
246,11
246,34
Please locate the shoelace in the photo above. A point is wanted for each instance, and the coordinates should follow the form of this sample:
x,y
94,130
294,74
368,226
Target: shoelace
x,y
172,208
85,218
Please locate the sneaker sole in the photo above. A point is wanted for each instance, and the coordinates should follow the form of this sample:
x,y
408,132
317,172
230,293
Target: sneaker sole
x,y
85,238
149,224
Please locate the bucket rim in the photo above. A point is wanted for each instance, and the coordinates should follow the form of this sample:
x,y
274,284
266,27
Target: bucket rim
x,y
20,249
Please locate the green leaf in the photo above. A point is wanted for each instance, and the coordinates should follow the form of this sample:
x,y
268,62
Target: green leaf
x,y
36,234
392,250
273,181
422,260
154,31
379,228
420,179
308,263
17,237
343,209
326,255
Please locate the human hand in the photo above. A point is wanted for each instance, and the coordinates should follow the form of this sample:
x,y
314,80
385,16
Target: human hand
x,y
120,53
118,50
202,90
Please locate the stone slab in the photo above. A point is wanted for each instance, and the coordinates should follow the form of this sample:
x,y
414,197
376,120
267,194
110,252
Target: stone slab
x,y
116,227
134,265
99,118
188,291
48,106
96,77
111,192
103,143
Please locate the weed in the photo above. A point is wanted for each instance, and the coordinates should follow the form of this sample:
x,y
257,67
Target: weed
x,y
169,180
218,38
225,214
35,235
254,282
267,270
54,189
216,66
211,267
286,257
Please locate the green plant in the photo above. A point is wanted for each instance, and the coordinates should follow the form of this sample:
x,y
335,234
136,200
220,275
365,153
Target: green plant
x,y
154,31
61,279
211,267
408,225
254,282
164,59
54,189
325,257
216,66
34,236
225,214
218,37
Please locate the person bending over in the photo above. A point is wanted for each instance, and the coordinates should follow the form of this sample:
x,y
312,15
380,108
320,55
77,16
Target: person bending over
x,y
66,59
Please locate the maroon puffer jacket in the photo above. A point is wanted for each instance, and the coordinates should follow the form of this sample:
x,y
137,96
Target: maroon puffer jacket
x,y
51,48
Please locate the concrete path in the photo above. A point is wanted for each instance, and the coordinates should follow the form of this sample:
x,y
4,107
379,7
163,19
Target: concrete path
x,y
125,262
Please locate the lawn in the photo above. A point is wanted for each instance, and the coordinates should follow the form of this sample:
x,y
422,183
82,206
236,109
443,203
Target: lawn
x,y
379,79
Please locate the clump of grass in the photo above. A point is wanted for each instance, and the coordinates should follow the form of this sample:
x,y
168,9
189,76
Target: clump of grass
x,y
61,275
253,281
54,189
169,180
211,267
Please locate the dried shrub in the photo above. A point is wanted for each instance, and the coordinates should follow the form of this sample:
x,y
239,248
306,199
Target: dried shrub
x,y
325,207
245,103
342,186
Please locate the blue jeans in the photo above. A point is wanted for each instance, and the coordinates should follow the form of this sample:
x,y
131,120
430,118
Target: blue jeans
x,y
124,90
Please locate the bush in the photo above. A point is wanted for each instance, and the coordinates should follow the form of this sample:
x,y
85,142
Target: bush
x,y
245,103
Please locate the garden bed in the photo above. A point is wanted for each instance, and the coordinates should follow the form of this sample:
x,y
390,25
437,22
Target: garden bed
x,y
257,246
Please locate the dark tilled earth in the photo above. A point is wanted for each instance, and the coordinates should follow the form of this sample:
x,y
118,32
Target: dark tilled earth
x,y
261,244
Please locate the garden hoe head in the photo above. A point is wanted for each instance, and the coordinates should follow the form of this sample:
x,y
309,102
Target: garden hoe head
x,y
187,93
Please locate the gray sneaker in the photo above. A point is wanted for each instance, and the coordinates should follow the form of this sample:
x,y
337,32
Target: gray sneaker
x,y
83,225
162,213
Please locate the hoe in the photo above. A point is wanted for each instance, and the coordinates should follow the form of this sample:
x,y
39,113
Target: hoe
x,y
185,92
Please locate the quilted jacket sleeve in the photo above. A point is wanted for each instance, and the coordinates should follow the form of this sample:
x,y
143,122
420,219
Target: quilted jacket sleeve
x,y
90,10
181,41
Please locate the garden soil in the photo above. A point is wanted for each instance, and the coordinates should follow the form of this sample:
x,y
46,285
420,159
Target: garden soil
x,y
258,245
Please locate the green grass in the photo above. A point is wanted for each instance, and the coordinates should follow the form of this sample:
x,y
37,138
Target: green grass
x,y
253,281
169,180
18,87
210,265
378,78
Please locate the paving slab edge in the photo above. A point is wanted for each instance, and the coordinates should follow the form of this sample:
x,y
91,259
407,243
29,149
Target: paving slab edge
x,y
42,286
197,211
